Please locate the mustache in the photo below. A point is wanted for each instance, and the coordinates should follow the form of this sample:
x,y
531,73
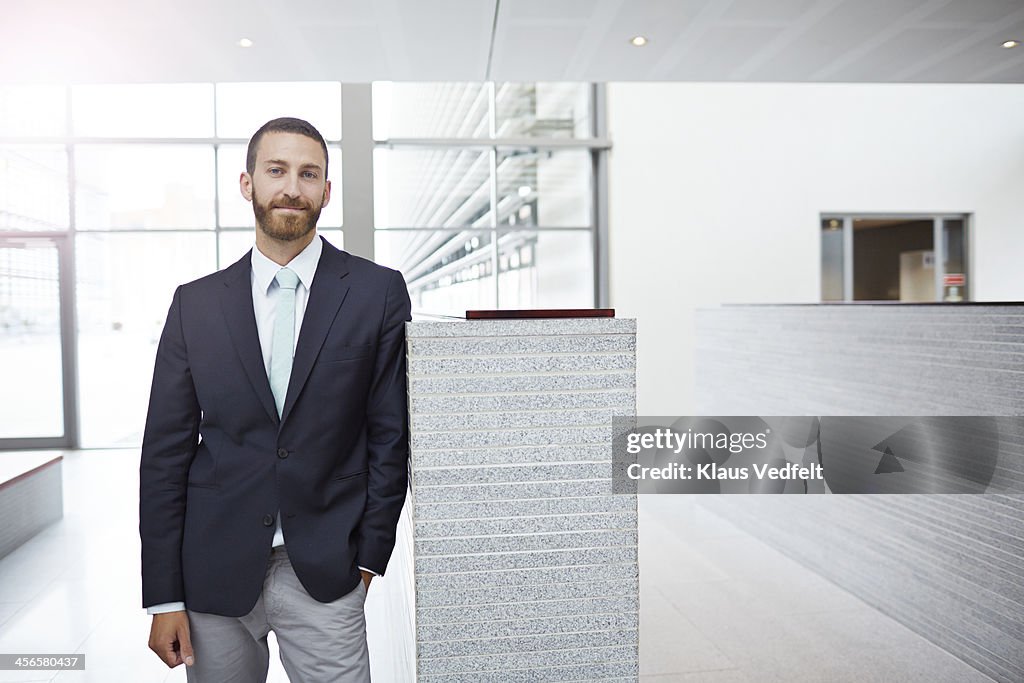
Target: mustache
x,y
291,205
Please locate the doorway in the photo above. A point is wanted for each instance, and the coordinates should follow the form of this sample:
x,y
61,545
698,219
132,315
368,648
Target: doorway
x,y
36,343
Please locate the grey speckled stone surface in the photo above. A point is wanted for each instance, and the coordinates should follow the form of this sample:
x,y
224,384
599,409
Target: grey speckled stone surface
x,y
441,564
512,578
532,365
563,674
501,346
555,590
501,663
568,382
451,547
516,627
517,328
521,419
509,402
525,563
426,458
512,473
531,525
528,610
484,492
513,437
426,510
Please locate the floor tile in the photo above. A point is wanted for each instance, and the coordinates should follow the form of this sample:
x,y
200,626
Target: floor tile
x,y
717,604
669,643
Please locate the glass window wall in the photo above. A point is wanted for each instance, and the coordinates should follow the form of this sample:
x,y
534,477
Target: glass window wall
x,y
484,196
482,220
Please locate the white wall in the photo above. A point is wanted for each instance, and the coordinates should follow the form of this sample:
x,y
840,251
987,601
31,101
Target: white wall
x,y
716,189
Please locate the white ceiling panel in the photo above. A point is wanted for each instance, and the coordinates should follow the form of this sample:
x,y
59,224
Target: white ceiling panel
x,y
975,11
347,49
547,11
442,40
906,47
524,50
972,60
775,12
73,41
605,48
720,51
826,37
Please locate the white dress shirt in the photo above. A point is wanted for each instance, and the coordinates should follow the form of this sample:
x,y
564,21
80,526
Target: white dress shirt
x,y
265,291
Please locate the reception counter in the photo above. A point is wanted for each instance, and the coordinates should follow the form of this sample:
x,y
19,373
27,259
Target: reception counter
x,y
950,567
516,562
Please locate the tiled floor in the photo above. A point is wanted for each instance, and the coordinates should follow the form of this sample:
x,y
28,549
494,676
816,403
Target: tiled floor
x,y
716,604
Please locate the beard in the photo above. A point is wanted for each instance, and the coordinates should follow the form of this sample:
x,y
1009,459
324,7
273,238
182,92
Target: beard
x,y
285,227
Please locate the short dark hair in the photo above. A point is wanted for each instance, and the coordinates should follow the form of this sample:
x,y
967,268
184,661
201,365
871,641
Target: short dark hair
x,y
283,125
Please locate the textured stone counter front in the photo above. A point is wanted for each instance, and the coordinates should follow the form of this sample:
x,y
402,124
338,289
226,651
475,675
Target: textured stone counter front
x,y
525,565
950,567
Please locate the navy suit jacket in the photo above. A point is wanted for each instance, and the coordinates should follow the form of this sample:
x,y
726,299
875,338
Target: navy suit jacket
x,y
217,463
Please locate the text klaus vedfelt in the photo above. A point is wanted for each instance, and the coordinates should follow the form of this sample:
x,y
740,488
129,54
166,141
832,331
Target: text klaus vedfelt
x,y
670,440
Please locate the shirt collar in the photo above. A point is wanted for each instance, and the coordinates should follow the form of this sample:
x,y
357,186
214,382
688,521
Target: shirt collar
x,y
304,265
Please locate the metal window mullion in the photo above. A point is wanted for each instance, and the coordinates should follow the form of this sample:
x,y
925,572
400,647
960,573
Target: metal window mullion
x,y
599,190
599,142
89,140
939,252
492,152
66,287
148,231
457,228
847,258
493,175
69,340
357,147
967,263
25,234
484,143
216,185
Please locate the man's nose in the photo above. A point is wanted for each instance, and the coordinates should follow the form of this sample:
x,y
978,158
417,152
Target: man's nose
x,y
291,188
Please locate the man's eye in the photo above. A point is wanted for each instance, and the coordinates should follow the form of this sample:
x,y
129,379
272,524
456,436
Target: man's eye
x,y
274,171
310,174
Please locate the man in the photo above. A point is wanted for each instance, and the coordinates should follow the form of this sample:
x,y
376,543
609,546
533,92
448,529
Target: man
x,y
274,461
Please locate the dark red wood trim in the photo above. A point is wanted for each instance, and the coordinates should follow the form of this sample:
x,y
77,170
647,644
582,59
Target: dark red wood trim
x,y
29,473
541,313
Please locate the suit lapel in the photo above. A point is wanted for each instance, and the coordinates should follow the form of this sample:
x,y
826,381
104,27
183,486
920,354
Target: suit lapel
x,y
325,299
236,305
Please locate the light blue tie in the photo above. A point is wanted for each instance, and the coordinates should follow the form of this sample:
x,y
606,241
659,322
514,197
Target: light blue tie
x,y
282,344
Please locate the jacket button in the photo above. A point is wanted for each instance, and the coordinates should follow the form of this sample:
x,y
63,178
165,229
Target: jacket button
x,y
268,520
282,453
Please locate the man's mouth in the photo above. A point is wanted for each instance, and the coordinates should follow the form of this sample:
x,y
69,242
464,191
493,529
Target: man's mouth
x,y
289,208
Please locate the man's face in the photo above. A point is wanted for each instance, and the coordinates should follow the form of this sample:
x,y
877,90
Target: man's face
x,y
287,188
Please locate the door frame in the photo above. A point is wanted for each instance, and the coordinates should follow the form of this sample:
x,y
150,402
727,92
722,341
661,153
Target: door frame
x,y
63,242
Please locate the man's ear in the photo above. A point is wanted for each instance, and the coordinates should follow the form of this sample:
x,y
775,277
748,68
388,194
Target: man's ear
x,y
327,194
245,185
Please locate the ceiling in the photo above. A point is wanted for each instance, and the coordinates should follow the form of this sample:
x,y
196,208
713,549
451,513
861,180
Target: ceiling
x,y
110,41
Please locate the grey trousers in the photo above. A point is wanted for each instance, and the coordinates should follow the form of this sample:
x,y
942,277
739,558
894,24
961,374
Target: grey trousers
x,y
319,642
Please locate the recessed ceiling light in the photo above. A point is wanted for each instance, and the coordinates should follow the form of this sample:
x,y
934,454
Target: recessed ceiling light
x,y
638,41
244,42
1011,43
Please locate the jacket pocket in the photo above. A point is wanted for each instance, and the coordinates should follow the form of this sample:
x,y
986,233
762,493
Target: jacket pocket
x,y
351,475
343,353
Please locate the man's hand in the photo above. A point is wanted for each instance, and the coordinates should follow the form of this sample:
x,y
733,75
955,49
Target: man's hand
x,y
367,577
169,638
